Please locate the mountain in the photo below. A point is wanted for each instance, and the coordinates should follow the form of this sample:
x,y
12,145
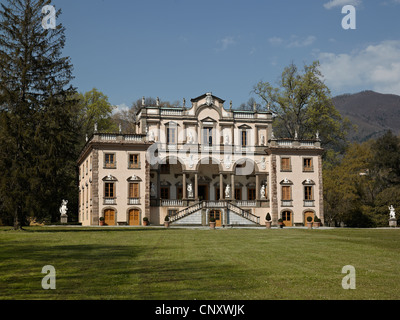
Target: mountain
x,y
372,112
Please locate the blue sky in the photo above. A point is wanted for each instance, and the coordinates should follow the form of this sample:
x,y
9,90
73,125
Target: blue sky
x,y
175,49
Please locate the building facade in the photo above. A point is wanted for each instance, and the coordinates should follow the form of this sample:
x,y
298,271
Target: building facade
x,y
193,164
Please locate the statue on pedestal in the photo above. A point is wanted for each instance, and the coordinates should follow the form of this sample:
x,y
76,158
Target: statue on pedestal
x,y
392,217
392,212
63,211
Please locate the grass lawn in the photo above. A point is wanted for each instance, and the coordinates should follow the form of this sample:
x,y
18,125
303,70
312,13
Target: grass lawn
x,y
173,264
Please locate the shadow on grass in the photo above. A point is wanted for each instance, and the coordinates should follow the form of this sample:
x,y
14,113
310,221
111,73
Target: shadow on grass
x,y
49,229
135,271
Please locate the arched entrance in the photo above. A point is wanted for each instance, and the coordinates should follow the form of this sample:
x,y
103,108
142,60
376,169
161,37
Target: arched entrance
x,y
109,217
308,214
287,217
217,215
134,217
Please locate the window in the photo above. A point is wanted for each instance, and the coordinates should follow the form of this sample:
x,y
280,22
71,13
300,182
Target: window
x,y
238,193
307,164
109,190
244,138
134,190
164,192
109,160
207,136
308,194
171,135
286,193
251,194
134,161
179,193
285,164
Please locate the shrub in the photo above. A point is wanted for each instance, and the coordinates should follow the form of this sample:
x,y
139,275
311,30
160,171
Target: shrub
x,y
268,218
309,219
166,218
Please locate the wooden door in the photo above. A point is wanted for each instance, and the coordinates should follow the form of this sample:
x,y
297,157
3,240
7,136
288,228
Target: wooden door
x,y
287,218
134,217
216,214
308,214
109,217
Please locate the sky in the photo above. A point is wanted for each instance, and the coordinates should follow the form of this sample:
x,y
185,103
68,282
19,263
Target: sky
x,y
175,49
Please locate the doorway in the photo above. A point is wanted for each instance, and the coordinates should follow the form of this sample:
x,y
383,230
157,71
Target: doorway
x,y
287,218
308,214
134,217
217,215
109,217
203,192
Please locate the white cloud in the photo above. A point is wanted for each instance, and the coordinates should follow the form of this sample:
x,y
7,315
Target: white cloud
x,y
225,43
375,67
296,42
120,107
293,42
275,41
340,3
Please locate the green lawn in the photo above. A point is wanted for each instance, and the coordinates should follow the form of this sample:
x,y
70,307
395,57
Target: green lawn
x,y
157,263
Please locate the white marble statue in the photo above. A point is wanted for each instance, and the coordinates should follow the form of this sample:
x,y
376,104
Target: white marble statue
x,y
226,141
190,138
63,208
228,191
262,191
152,190
392,212
151,136
190,190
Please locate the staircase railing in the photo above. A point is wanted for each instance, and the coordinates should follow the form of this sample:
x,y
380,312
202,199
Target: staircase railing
x,y
185,212
243,213
215,204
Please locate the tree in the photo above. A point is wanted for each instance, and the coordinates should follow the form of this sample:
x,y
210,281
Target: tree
x,y
37,122
303,106
94,108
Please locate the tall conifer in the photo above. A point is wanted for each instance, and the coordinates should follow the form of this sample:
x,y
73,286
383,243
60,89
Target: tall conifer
x,y
36,115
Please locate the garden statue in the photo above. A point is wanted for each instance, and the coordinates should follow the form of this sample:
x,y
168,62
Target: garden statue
x,y
262,191
63,208
190,190
63,211
392,212
228,191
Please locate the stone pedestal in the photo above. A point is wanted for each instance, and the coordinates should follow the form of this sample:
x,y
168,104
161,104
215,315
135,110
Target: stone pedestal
x,y
64,219
393,223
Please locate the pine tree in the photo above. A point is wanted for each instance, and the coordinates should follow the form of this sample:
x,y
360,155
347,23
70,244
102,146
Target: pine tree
x,y
36,115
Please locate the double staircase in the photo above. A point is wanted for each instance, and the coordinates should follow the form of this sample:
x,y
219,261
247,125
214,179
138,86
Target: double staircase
x,y
198,206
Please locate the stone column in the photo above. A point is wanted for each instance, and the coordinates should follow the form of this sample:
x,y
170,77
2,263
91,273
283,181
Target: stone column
x,y
274,191
232,186
147,191
321,191
257,187
95,188
221,187
196,187
184,186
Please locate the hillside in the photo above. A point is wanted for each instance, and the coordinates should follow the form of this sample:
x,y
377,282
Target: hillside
x,y
373,113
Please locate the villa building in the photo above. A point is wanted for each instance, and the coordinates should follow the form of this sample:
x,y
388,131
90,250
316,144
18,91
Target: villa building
x,y
192,164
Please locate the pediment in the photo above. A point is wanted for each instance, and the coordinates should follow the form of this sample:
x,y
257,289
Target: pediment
x,y
208,119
